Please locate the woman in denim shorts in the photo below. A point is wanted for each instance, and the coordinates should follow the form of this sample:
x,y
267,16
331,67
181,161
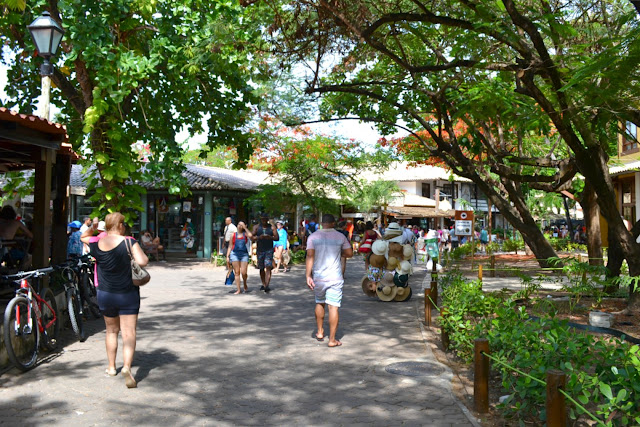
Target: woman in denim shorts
x,y
238,255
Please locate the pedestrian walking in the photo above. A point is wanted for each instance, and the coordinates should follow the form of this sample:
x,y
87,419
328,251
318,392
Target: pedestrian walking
x,y
118,297
264,234
229,231
325,249
280,245
238,255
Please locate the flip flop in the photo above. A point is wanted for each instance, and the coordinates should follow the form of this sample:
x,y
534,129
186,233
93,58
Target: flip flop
x,y
319,338
339,343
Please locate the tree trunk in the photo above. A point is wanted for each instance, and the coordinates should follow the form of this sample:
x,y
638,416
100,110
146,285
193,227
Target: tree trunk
x,y
593,165
592,222
516,212
568,215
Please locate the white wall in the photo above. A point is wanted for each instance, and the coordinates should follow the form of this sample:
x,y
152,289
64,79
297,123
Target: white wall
x,y
411,187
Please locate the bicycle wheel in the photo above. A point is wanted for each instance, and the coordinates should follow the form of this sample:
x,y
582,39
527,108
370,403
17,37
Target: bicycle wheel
x,y
73,306
21,341
90,293
50,321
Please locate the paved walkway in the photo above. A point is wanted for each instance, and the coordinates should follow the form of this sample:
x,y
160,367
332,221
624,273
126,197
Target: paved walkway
x,y
206,357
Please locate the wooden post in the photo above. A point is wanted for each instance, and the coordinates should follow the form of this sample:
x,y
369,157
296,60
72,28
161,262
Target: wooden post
x,y
41,209
443,333
556,407
434,283
480,272
481,376
493,266
60,211
427,307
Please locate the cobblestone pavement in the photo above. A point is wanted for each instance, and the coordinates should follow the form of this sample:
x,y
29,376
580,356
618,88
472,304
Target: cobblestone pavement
x,y
207,357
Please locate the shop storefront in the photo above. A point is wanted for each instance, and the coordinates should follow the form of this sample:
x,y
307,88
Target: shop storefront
x,y
188,226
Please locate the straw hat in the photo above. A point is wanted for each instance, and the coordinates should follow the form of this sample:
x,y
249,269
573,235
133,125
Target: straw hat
x,y
396,250
392,263
393,230
377,261
368,287
379,247
404,267
102,226
386,292
407,252
403,294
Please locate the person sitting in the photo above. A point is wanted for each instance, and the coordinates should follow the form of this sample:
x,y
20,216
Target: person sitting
x,y
16,239
151,245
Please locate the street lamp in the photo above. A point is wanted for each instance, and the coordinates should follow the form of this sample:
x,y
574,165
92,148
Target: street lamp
x,y
46,34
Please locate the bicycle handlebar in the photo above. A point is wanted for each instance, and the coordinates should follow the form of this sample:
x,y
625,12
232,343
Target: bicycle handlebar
x,y
26,274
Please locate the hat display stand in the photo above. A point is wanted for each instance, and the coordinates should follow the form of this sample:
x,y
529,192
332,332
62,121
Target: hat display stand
x,y
389,268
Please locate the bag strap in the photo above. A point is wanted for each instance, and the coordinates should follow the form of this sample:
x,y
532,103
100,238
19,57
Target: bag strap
x,y
127,243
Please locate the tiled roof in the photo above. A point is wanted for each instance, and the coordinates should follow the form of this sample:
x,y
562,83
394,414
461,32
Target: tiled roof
x,y
401,171
621,169
33,122
210,178
198,178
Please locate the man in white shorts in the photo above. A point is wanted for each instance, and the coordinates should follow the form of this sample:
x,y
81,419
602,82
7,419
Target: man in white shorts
x,y
325,248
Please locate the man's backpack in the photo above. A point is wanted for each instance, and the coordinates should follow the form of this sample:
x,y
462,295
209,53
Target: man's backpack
x,y
311,228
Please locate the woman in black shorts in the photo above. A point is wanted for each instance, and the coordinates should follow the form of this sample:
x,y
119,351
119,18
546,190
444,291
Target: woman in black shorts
x,y
118,297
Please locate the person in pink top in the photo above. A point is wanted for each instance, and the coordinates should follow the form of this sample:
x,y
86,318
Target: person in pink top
x,y
325,250
102,228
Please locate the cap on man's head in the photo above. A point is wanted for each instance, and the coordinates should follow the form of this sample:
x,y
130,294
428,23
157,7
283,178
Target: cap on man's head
x,y
74,224
264,215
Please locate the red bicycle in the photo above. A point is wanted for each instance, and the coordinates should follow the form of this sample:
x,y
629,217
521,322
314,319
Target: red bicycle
x,y
30,320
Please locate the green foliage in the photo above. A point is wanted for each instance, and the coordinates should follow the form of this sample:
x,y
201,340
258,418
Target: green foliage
x,y
132,72
464,250
492,248
512,245
314,170
15,184
219,157
466,305
298,257
366,196
603,374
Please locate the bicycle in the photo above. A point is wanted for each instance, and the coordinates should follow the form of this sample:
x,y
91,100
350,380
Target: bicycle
x,y
74,297
87,286
26,310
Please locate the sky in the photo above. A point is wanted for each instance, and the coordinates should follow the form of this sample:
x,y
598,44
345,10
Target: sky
x,y
352,129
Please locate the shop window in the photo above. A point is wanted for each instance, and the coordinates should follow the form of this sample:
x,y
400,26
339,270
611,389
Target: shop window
x,y
629,139
426,189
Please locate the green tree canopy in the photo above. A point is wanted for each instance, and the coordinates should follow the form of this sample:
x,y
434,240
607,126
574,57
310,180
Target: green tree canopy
x,y
318,171
133,71
505,68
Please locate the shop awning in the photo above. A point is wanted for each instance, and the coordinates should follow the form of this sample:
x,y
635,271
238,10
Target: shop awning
x,y
418,212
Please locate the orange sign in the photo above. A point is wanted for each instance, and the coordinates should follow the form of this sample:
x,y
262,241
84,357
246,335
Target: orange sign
x,y
464,216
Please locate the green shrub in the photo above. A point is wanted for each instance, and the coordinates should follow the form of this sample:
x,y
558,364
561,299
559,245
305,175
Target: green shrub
x,y
298,257
559,244
492,248
464,250
603,374
512,245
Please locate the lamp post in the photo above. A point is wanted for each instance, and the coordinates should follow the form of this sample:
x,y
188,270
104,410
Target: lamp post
x,y
46,34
